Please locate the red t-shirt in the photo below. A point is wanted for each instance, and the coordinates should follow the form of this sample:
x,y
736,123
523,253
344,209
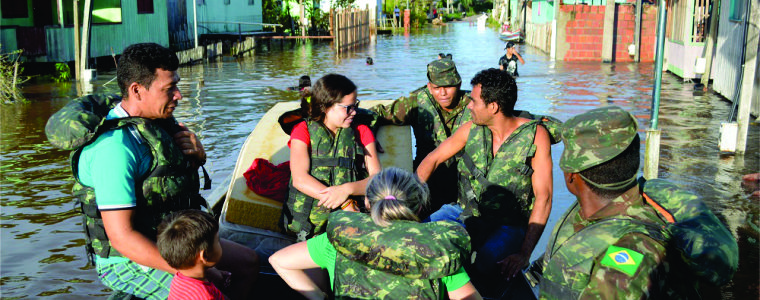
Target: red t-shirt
x,y
186,288
301,133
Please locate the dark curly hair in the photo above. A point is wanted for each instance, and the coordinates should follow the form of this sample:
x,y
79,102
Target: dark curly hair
x,y
497,86
328,90
139,62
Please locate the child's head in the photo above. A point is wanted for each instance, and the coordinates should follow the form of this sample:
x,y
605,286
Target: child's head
x,y
333,97
189,237
304,82
396,194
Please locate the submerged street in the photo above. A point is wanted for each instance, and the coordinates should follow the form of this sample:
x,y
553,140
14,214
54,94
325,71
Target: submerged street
x,y
43,256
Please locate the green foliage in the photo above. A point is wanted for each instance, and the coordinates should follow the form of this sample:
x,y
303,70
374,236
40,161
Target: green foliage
x,y
62,72
342,3
274,13
452,17
10,69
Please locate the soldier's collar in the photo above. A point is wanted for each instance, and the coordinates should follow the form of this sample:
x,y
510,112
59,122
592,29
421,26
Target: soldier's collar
x,y
619,205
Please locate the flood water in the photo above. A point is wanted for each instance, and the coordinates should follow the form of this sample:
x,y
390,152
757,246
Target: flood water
x,y
42,241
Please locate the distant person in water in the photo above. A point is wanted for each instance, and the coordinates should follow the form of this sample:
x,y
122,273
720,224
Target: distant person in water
x,y
189,241
303,82
289,119
449,56
370,61
508,62
441,55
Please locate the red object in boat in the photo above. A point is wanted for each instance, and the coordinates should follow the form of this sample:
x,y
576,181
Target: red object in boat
x,y
268,180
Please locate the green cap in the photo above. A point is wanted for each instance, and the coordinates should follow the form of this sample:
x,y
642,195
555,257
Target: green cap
x,y
443,72
595,137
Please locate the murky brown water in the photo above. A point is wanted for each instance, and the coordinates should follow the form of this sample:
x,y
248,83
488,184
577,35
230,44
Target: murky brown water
x,y
42,253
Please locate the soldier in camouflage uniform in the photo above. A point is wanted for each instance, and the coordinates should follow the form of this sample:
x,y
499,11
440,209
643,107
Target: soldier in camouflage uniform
x,y
609,244
385,255
434,111
133,164
505,179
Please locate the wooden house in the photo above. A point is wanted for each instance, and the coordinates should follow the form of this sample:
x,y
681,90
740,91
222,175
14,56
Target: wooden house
x,y
44,28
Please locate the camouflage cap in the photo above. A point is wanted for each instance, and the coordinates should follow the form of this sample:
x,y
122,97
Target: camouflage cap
x,y
595,137
443,72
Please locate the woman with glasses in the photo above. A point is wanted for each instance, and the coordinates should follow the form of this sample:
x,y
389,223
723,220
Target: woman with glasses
x,y
331,159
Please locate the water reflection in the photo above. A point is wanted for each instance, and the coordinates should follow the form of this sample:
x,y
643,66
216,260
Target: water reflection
x,y
42,253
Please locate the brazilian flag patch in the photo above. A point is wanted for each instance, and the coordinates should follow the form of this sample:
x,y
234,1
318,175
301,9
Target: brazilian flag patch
x,y
622,259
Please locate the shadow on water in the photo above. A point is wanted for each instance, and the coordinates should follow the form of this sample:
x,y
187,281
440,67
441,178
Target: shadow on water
x,y
42,253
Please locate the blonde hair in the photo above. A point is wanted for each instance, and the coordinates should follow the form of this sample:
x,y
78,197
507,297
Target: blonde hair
x,y
395,194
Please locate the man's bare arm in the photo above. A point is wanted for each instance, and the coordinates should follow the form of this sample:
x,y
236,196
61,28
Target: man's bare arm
x,y
444,151
131,243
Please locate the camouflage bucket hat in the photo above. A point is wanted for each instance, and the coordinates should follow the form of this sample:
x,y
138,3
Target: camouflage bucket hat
x,y
443,72
595,137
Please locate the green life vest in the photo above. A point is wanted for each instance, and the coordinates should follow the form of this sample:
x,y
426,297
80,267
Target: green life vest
x,y
171,184
692,234
333,161
405,260
498,189
430,128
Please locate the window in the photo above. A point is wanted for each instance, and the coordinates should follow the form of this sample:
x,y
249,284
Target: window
x,y
226,2
144,6
251,2
737,10
200,2
14,9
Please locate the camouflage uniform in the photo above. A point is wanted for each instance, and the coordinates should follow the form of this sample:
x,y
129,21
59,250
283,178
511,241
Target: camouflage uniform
x,y
498,189
431,124
333,161
620,251
172,183
402,261
577,247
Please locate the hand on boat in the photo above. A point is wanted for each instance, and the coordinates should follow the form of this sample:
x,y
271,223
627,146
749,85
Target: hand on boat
x,y
190,145
334,196
512,265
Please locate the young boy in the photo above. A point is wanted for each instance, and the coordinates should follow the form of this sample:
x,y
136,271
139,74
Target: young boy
x,y
189,241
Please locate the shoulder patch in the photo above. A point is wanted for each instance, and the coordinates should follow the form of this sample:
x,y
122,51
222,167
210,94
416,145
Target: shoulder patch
x,y
622,259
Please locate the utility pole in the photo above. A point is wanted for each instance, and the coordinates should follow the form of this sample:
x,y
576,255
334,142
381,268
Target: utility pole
x,y
652,152
77,63
609,29
195,21
555,42
637,33
85,38
750,61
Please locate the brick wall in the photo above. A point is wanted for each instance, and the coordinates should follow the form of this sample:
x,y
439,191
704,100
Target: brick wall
x,y
584,32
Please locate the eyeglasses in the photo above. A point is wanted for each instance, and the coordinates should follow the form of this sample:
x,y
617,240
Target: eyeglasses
x,y
350,108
